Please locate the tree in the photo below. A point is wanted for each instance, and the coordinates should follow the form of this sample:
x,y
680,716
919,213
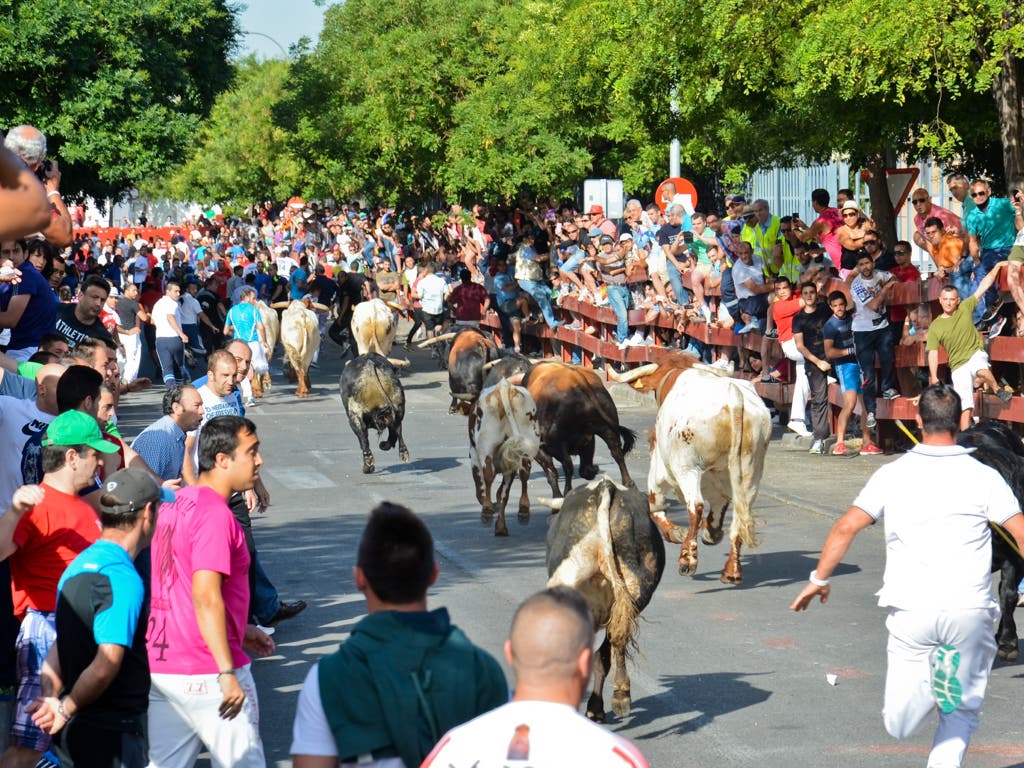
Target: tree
x,y
241,153
118,86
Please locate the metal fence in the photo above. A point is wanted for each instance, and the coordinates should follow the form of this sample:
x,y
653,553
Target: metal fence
x,y
788,190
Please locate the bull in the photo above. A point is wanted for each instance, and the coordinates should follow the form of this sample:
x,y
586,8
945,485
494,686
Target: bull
x,y
373,327
503,440
573,407
604,544
512,367
996,446
374,399
470,350
300,336
709,443
272,330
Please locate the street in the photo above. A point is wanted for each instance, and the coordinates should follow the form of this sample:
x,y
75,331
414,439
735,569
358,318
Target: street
x,y
725,676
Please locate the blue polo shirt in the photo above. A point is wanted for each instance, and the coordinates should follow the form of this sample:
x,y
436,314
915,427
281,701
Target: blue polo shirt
x,y
995,226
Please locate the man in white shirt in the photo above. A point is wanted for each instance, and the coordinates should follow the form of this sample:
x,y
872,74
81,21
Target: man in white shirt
x,y
549,649
431,290
170,338
937,585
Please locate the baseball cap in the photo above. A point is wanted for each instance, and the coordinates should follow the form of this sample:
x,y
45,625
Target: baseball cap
x,y
625,236
607,240
77,428
128,490
733,199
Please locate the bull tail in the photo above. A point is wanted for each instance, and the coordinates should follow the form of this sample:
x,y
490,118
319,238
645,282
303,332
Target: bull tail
x,y
514,450
743,515
623,619
628,438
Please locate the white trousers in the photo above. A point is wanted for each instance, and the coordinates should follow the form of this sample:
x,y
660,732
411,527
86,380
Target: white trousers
x,y
183,719
132,357
913,636
801,389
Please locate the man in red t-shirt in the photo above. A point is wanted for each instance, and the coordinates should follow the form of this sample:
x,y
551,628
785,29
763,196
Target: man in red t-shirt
x,y
47,526
784,308
904,272
469,301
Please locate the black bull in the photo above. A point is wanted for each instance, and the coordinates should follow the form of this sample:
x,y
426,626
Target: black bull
x,y
604,544
374,399
997,447
470,351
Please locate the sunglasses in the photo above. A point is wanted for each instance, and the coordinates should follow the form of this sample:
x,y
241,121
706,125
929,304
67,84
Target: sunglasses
x,y
851,214
919,201
901,252
979,194
870,242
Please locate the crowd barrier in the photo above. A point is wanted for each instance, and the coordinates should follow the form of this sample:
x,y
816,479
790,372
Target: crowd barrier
x,y
600,343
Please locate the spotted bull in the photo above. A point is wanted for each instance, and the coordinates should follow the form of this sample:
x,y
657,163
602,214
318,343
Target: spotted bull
x,y
300,336
373,327
272,329
604,544
470,351
374,399
708,445
503,440
572,407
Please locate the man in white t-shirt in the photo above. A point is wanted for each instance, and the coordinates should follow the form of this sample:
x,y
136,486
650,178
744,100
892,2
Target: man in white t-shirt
x,y
937,585
170,337
549,649
431,290
22,423
870,290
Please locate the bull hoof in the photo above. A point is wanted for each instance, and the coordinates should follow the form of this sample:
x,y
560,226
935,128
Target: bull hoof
x,y
588,473
303,395
1007,653
368,466
711,535
675,535
523,516
687,567
501,529
597,717
486,516
731,578
404,456
621,702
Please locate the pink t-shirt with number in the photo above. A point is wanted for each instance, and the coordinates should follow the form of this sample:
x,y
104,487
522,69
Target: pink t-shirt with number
x,y
195,533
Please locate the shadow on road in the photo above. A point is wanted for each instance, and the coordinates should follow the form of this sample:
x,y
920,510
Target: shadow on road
x,y
773,569
706,696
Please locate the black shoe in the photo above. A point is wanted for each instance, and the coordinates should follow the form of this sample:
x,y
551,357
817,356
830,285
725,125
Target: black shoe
x,y
991,312
286,611
1005,395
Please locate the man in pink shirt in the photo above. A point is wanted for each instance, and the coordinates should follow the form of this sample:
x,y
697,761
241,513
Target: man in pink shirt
x,y
597,219
823,229
200,674
924,209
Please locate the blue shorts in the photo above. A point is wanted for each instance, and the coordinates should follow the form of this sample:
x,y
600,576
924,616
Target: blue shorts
x,y
38,633
848,375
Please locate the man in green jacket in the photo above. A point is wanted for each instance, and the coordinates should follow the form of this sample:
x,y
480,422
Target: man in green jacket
x,y
406,675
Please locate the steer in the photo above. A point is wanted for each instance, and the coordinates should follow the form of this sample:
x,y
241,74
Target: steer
x,y
604,544
997,447
708,445
572,407
503,440
373,327
272,329
469,352
300,335
374,399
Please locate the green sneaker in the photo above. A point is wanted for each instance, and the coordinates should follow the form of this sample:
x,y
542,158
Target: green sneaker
x,y
945,687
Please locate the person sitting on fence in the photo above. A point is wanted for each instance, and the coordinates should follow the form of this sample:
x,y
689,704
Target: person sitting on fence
x,y
839,350
751,289
904,272
784,308
954,331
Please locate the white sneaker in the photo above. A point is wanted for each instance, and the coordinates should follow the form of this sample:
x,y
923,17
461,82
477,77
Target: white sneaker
x,y
266,630
636,340
624,343
817,447
724,363
799,427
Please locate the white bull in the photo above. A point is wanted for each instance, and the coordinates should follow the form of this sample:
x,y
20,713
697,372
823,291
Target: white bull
x,y
708,445
503,439
373,327
300,336
272,329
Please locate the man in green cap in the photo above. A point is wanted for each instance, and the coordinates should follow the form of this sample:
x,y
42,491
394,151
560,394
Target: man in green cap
x,y
45,528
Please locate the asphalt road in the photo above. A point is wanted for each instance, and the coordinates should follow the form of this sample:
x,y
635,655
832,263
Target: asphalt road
x,y
726,676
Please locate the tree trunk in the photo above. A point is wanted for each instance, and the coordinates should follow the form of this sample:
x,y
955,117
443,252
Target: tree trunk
x,y
881,205
1006,89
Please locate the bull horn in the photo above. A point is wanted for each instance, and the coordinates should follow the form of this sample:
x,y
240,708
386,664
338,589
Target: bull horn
x,y
436,340
399,363
395,306
318,306
464,397
636,373
488,366
280,305
554,504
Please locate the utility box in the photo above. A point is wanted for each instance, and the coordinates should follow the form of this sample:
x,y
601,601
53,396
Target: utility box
x,y
604,192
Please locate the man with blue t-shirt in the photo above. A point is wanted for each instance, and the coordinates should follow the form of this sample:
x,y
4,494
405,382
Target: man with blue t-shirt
x,y
297,280
95,698
992,228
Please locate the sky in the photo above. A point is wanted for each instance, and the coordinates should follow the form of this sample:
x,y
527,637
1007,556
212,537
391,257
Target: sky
x,y
283,20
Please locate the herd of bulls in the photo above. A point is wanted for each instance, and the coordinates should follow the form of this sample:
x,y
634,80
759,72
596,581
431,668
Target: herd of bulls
x,y
708,446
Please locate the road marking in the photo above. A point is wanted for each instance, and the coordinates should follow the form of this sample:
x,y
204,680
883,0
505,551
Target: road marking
x,y
299,478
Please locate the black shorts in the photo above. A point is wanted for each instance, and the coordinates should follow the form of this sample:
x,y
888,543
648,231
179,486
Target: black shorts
x,y
84,744
432,321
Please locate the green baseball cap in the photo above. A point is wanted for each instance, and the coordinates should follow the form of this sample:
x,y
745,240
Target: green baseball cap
x,y
77,428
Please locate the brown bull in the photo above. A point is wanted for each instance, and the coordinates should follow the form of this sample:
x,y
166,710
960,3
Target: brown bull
x,y
470,351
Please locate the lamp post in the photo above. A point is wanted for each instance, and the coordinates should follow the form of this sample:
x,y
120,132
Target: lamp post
x,y
268,37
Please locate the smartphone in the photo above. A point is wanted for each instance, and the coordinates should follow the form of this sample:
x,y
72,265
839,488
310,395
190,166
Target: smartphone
x,y
687,237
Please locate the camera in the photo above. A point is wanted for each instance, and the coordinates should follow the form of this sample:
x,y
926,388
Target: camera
x,y
44,169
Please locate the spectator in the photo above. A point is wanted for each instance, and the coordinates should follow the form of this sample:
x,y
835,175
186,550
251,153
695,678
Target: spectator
x,y
129,332
140,268
96,685
925,209
468,300
870,290
839,350
297,280
81,320
170,338
45,528
430,292
162,443
968,361
959,187
199,611
808,334
369,703
823,229
948,251
29,144
785,307
31,309
245,324
851,235
751,289
24,206
192,316
612,266
598,221
549,650
673,247
1016,256
873,244
215,313
991,228
763,235
511,307
904,272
